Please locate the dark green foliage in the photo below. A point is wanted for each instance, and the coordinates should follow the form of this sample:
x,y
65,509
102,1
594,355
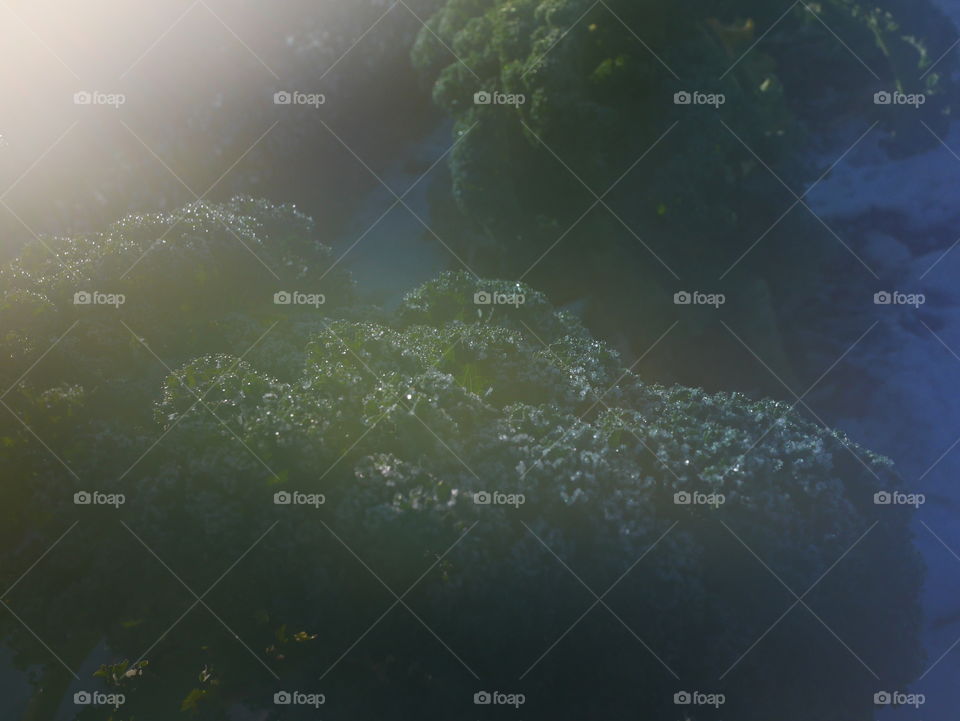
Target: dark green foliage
x,y
398,420
696,199
204,287
599,81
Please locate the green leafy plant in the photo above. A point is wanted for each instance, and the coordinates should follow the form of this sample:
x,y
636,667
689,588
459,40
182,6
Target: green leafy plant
x,y
600,188
394,429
